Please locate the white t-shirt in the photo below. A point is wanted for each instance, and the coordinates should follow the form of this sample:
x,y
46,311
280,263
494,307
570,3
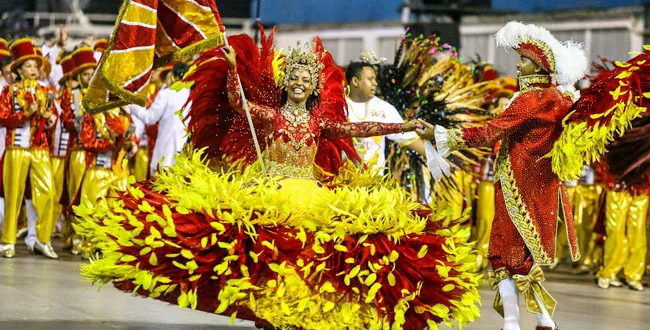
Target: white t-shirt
x,y
381,111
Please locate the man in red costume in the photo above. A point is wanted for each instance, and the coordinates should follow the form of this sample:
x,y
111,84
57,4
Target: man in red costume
x,y
530,199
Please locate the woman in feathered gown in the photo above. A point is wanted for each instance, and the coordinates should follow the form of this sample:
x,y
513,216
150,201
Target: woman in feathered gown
x,y
313,244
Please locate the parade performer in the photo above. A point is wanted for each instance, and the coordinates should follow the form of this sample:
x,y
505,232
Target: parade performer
x,y
5,58
364,105
147,134
585,203
625,170
81,65
27,113
616,103
163,111
61,143
282,249
530,199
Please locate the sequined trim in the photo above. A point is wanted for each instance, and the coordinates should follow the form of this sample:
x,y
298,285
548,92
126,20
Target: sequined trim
x,y
518,211
494,277
284,160
455,139
291,171
534,82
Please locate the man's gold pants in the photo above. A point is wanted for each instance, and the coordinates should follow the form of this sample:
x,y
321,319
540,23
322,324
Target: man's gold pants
x,y
141,166
625,245
585,214
77,168
484,218
58,173
18,163
100,182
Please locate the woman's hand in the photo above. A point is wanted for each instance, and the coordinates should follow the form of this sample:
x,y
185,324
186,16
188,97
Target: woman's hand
x,y
410,125
230,55
425,130
33,108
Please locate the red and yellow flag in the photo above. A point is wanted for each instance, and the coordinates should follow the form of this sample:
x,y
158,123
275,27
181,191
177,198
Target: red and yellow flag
x,y
148,34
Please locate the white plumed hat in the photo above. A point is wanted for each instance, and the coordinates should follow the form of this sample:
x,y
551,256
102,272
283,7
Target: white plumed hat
x,y
565,61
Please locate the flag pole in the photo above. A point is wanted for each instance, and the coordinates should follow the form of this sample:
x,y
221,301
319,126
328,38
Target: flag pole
x,y
248,116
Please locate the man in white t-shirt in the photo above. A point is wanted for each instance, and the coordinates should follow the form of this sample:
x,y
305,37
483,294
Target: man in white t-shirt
x,y
363,105
172,136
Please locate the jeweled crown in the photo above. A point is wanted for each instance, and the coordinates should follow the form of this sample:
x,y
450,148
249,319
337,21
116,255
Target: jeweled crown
x,y
302,57
371,58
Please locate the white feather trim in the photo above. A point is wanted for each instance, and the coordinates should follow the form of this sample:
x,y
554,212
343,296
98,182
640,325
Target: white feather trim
x,y
571,63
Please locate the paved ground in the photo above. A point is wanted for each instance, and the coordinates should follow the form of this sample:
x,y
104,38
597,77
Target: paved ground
x,y
38,293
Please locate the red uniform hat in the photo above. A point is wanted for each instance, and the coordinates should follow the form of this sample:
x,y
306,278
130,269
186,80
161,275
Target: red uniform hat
x,y
83,59
67,64
4,51
23,50
101,45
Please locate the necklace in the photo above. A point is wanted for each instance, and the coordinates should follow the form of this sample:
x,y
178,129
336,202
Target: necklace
x,y
294,115
534,81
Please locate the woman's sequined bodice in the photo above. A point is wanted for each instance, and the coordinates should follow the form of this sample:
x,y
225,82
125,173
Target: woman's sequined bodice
x,y
292,143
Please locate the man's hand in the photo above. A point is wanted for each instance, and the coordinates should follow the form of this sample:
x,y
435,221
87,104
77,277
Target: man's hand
x,y
63,36
425,130
47,114
230,55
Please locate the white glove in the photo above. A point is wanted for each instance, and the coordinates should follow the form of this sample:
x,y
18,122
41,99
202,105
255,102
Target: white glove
x,y
437,165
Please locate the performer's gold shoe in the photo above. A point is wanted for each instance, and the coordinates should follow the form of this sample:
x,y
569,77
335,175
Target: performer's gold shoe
x,y
77,244
635,285
8,251
45,249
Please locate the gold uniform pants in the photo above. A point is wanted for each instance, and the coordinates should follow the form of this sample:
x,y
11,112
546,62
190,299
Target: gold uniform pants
x,y
77,168
18,163
141,166
625,245
58,172
100,182
485,216
455,196
585,214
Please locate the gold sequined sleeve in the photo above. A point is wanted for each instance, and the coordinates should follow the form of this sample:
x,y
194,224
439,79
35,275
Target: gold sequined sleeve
x,y
258,112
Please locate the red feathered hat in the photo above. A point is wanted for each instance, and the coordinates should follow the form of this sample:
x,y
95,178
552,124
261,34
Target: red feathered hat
x,y
23,50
